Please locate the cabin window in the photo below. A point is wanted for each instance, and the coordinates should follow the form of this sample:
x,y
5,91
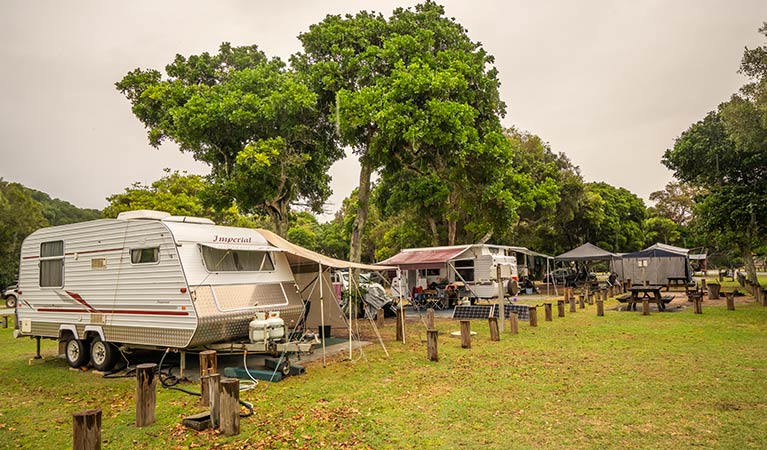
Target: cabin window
x,y
429,272
465,269
145,255
227,260
52,264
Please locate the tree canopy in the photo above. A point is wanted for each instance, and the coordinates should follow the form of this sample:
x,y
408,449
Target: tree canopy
x,y
251,119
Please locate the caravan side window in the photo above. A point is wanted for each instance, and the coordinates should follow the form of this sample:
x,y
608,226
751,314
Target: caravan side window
x,y
465,268
145,255
52,264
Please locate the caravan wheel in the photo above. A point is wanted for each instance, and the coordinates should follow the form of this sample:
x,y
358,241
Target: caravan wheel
x,y
75,353
103,355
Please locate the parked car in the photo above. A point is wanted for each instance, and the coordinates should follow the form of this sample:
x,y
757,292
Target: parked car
x,y
561,275
11,296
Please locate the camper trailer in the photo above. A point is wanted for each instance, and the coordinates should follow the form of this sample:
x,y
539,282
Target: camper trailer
x,y
474,265
149,279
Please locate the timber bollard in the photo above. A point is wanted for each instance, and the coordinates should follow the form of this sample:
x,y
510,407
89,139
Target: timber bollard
x,y
146,394
581,300
230,407
514,323
431,345
713,291
645,307
208,365
697,303
730,300
492,322
561,308
533,316
627,285
379,318
703,284
600,307
604,295
547,309
430,319
214,394
4,320
400,324
465,334
572,304
86,430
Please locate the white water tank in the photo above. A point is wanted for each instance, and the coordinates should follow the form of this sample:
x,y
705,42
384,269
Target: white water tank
x,y
276,325
258,328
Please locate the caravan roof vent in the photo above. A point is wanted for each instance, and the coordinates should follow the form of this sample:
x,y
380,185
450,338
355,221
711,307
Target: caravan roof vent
x,y
142,214
189,219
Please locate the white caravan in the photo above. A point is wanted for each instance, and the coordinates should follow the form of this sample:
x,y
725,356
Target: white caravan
x,y
148,279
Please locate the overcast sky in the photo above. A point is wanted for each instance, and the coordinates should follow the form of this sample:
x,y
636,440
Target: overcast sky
x,y
609,83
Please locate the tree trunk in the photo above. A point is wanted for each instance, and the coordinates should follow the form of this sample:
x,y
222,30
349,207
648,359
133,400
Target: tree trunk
x,y
363,197
748,258
452,226
434,232
486,237
279,213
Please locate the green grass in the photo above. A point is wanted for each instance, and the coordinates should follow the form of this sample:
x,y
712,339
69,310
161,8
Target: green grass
x,y
670,380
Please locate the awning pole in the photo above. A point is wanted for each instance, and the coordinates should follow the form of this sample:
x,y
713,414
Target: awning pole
x,y
351,318
322,317
401,313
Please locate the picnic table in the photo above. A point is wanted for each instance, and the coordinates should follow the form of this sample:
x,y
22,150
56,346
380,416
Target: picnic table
x,y
676,281
647,292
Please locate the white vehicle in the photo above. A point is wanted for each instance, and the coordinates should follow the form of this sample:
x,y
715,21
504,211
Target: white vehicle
x,y
148,279
11,296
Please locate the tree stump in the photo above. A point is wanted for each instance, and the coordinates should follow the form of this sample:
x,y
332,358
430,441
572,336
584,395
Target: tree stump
x,y
600,308
560,308
645,307
208,365
465,334
146,394
431,345
514,323
533,316
495,335
230,407
86,430
548,311
214,394
730,300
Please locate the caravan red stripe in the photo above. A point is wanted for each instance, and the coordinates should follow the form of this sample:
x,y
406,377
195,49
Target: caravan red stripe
x,y
117,311
80,300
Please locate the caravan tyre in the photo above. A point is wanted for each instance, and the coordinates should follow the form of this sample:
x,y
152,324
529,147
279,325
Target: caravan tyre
x,y
76,353
103,355
10,301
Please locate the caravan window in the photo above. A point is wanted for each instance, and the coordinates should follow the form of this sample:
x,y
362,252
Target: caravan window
x,y
145,255
428,272
226,260
465,268
52,264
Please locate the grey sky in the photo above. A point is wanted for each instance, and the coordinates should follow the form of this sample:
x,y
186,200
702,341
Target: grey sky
x,y
609,83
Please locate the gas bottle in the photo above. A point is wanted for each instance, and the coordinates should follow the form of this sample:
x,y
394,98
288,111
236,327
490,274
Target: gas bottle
x,y
258,328
276,325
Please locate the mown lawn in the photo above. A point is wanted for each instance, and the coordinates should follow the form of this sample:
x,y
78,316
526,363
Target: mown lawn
x,y
669,380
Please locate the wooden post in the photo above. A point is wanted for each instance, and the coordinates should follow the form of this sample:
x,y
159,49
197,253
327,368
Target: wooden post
x,y
380,318
600,307
430,319
465,334
730,300
604,295
230,407
698,304
214,393
645,307
400,324
627,284
431,345
572,304
560,308
549,315
581,303
533,316
514,323
208,365
703,284
494,333
4,321
86,430
146,394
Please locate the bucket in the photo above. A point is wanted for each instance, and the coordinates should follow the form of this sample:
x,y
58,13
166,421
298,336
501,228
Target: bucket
x,y
324,331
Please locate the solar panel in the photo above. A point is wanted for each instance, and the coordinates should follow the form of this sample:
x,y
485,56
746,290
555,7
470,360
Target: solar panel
x,y
523,311
473,311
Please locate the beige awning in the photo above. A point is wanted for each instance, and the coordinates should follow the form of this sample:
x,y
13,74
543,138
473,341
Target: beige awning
x,y
326,261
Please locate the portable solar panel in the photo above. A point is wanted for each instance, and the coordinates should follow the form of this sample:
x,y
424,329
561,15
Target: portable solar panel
x,y
523,311
473,311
